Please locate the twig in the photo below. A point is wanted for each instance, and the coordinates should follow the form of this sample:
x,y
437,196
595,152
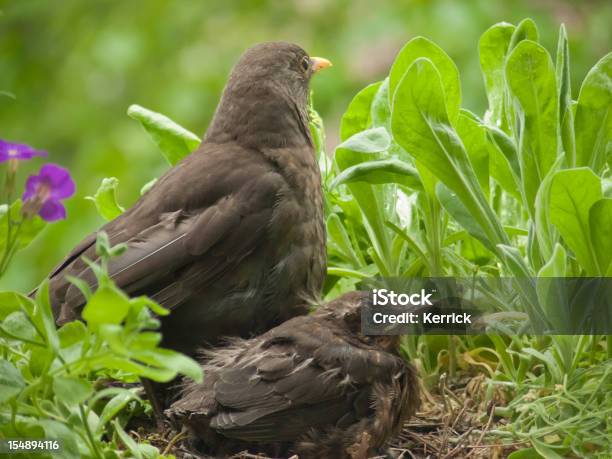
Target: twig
x,y
484,431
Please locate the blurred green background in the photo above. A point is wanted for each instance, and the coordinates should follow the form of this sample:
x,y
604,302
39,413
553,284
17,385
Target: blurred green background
x,y
75,66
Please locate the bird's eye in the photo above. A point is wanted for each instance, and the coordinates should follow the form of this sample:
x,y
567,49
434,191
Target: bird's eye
x,y
305,64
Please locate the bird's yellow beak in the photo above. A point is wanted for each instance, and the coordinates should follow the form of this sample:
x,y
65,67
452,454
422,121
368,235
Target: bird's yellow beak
x,y
319,63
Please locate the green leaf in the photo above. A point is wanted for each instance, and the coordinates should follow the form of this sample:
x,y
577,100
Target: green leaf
x,y
120,398
531,77
72,333
175,361
421,47
551,289
545,233
47,320
71,391
108,305
17,326
11,381
453,205
566,114
174,141
572,193
14,301
380,171
600,222
105,199
474,137
380,112
27,232
373,140
593,121
338,235
361,147
128,441
492,48
357,117
421,126
557,265
526,30
525,453
68,438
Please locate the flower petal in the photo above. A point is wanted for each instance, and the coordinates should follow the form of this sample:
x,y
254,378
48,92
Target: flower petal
x,y
9,150
31,186
59,179
52,210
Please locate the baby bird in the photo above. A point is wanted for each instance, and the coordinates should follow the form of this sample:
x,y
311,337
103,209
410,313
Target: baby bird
x,y
313,386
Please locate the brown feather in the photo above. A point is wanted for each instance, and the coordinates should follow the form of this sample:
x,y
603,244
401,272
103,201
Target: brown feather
x,y
311,386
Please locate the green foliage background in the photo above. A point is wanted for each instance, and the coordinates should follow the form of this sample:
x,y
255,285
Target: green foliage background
x,y
74,67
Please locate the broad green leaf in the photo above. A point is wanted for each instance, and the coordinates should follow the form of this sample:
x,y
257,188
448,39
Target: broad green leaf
x,y
68,438
551,288
380,111
105,199
501,169
373,140
421,47
525,30
366,146
28,230
531,77
380,171
71,391
557,265
492,48
566,114
600,221
421,126
474,138
14,301
17,326
108,305
357,117
593,121
572,193
507,147
525,453
174,141
71,333
453,205
11,381
545,233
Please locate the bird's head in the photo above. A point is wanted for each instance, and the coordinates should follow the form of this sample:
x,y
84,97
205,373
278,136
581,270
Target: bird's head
x,y
346,312
266,94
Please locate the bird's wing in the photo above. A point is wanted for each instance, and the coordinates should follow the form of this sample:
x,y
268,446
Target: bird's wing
x,y
286,387
221,217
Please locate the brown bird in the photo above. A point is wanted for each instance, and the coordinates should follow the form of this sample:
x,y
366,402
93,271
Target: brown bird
x,y
232,239
313,386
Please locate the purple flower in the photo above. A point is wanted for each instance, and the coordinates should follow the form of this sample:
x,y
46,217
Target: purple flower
x,y
45,191
9,151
